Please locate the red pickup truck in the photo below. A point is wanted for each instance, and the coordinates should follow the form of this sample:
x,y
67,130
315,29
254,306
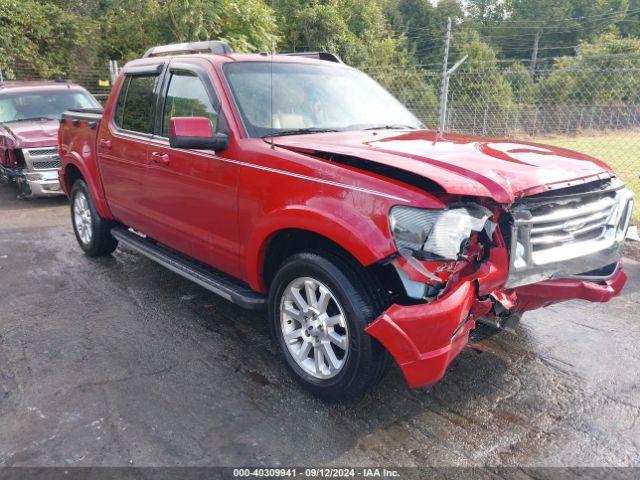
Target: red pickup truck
x,y
297,184
29,120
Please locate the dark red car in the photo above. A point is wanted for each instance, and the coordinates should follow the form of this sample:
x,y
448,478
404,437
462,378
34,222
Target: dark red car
x,y
299,185
29,119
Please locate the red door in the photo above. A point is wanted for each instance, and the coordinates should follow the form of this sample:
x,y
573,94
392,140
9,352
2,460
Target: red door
x,y
123,147
192,194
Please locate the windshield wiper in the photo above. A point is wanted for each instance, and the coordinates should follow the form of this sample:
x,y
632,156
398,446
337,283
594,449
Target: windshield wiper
x,y
300,131
391,127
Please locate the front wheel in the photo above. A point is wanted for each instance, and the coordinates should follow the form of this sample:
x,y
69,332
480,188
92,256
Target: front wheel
x,y
319,307
92,231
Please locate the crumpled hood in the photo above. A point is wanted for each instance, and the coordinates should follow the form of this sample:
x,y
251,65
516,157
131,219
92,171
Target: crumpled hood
x,y
34,133
461,165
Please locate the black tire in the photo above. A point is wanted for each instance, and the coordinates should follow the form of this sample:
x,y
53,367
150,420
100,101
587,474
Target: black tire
x,y
100,242
362,300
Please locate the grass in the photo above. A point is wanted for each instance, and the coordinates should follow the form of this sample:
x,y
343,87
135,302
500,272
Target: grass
x,y
620,151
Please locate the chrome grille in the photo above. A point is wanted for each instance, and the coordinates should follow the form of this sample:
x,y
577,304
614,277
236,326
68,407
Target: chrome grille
x,y
40,152
574,222
42,158
46,165
567,236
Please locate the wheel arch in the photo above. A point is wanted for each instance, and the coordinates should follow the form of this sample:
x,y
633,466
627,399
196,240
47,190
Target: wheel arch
x,y
74,170
303,230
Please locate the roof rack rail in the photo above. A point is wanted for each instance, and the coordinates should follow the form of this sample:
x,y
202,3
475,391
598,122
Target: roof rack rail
x,y
329,57
216,47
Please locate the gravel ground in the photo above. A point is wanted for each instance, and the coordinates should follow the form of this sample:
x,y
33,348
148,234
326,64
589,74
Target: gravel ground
x,y
118,361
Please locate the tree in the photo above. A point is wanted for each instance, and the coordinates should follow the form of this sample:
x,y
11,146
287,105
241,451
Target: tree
x,y
42,38
616,59
129,27
486,12
356,30
479,82
132,26
629,26
561,24
423,25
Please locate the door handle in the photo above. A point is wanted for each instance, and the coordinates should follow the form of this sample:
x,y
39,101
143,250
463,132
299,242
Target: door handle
x,y
160,158
105,144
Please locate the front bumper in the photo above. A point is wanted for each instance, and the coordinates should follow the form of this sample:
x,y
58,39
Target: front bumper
x,y
543,294
40,184
424,339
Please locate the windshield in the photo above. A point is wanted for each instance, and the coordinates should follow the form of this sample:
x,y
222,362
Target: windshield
x,y
47,105
308,98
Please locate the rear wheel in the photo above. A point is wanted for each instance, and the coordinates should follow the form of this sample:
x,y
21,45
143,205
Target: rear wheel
x,y
319,307
92,231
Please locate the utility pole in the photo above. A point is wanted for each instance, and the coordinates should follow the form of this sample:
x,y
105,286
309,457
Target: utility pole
x,y
534,56
113,71
444,87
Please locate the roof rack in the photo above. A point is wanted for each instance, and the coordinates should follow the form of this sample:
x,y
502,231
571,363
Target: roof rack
x,y
329,57
211,46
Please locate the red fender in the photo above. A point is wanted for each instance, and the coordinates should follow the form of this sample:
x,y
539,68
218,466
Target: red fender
x,y
359,235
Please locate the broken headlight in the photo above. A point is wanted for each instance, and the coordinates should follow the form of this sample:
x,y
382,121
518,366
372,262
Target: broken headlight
x,y
438,233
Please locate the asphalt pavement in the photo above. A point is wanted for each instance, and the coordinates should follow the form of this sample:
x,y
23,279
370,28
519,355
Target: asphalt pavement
x,y
118,362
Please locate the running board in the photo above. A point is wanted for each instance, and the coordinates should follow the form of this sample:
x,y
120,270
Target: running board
x,y
197,272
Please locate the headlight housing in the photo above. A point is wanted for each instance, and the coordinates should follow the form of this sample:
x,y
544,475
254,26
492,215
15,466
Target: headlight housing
x,y
440,233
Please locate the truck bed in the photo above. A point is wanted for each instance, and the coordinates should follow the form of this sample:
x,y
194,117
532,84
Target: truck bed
x,y
77,139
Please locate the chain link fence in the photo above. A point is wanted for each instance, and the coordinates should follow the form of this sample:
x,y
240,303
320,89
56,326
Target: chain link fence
x,y
592,110
95,78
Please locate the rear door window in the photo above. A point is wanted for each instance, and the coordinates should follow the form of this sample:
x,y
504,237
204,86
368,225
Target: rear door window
x,y
135,113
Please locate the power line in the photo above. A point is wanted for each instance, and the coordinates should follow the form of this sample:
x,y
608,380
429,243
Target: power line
x,y
568,19
534,24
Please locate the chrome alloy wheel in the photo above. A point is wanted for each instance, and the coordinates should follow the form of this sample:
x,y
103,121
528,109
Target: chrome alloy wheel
x,y
314,328
82,218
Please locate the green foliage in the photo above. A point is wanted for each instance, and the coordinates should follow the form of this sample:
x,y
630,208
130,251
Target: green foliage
x,y
479,78
563,24
247,25
486,12
356,30
130,27
630,25
617,61
415,88
43,37
523,89
422,25
391,39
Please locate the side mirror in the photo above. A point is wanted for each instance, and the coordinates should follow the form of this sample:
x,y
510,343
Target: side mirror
x,y
196,133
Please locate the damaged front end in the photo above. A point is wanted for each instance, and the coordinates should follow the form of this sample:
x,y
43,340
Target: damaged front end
x,y
456,268
449,263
